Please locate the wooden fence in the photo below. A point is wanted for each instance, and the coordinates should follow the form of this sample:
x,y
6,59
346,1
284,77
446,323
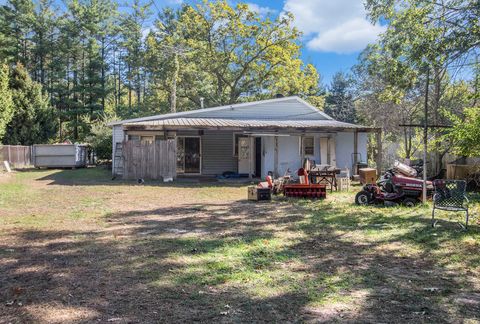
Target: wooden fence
x,y
156,160
17,155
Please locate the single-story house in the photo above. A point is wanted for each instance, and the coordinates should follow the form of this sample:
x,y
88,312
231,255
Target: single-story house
x,y
248,138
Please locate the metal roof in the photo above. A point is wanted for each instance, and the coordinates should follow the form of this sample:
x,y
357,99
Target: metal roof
x,y
286,108
219,123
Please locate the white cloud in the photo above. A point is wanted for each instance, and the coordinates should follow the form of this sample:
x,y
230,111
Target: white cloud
x,y
262,11
338,26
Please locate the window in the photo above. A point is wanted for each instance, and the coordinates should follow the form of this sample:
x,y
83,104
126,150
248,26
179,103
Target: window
x,y
308,145
147,139
133,138
235,143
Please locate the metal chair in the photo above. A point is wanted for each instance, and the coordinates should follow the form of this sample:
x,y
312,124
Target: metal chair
x,y
450,196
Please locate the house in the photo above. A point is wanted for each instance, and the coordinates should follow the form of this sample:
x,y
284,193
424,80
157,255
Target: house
x,y
252,138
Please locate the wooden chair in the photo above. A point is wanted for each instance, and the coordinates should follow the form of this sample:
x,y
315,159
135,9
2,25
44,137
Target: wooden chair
x,y
450,196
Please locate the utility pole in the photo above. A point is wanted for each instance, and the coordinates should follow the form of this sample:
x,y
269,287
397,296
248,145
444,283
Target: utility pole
x,y
425,127
425,140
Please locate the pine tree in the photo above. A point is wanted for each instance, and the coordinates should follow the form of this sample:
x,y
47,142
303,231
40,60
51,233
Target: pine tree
x,y
339,102
33,120
6,108
16,21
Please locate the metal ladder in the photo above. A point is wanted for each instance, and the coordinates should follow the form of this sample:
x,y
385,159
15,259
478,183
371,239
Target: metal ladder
x,y
118,164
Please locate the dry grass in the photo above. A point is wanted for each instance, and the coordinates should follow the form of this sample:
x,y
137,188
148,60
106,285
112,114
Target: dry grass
x,y
77,247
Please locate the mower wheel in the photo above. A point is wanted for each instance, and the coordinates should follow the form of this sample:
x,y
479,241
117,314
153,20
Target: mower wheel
x,y
410,202
363,198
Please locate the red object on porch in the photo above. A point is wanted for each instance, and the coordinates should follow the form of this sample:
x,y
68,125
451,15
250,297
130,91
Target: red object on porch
x,y
303,174
305,190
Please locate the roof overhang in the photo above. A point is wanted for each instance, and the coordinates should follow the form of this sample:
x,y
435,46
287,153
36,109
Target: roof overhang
x,y
246,125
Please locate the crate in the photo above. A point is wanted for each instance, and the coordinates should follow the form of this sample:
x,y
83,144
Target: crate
x,y
343,184
368,175
257,194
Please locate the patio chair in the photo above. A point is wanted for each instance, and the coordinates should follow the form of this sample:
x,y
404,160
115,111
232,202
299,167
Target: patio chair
x,y
450,196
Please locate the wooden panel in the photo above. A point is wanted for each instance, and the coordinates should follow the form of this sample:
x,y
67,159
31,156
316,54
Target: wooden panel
x,y
459,171
149,160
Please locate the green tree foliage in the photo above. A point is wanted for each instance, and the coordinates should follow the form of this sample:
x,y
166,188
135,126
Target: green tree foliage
x,y
433,39
339,102
453,26
465,134
6,108
101,137
33,119
226,54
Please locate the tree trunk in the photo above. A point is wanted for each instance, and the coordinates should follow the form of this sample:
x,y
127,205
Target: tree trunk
x,y
173,90
103,74
129,88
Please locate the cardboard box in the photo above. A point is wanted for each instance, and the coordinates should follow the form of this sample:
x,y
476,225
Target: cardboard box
x,y
368,175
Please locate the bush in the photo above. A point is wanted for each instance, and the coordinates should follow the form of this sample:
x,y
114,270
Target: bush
x,y
101,138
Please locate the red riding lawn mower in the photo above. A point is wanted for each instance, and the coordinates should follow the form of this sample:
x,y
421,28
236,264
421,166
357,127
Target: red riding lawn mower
x,y
398,186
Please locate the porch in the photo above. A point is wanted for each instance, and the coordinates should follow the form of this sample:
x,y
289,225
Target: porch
x,y
214,147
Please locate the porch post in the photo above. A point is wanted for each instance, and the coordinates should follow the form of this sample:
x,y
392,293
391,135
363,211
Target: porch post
x,y
250,156
275,156
302,155
378,137
355,152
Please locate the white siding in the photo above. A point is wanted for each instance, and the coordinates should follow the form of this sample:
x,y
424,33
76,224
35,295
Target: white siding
x,y
344,146
117,137
288,154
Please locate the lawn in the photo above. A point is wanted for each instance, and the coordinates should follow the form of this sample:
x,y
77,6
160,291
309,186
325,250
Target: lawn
x,y
78,247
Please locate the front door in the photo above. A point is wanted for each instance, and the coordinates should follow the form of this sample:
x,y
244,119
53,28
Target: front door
x,y
188,155
244,155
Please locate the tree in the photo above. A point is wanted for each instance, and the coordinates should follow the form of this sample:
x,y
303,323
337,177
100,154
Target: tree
x,y
6,108
339,102
465,134
229,54
33,119
101,137
16,23
133,47
457,20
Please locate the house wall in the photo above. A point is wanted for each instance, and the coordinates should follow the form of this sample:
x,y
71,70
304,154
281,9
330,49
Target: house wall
x,y
289,155
217,150
344,146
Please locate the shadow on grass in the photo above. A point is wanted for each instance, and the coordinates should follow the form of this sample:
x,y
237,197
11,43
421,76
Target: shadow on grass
x,y
94,176
241,262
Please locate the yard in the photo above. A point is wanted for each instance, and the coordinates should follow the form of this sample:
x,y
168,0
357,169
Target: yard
x,y
77,247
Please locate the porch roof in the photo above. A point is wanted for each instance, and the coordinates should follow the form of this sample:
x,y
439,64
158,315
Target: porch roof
x,y
243,124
